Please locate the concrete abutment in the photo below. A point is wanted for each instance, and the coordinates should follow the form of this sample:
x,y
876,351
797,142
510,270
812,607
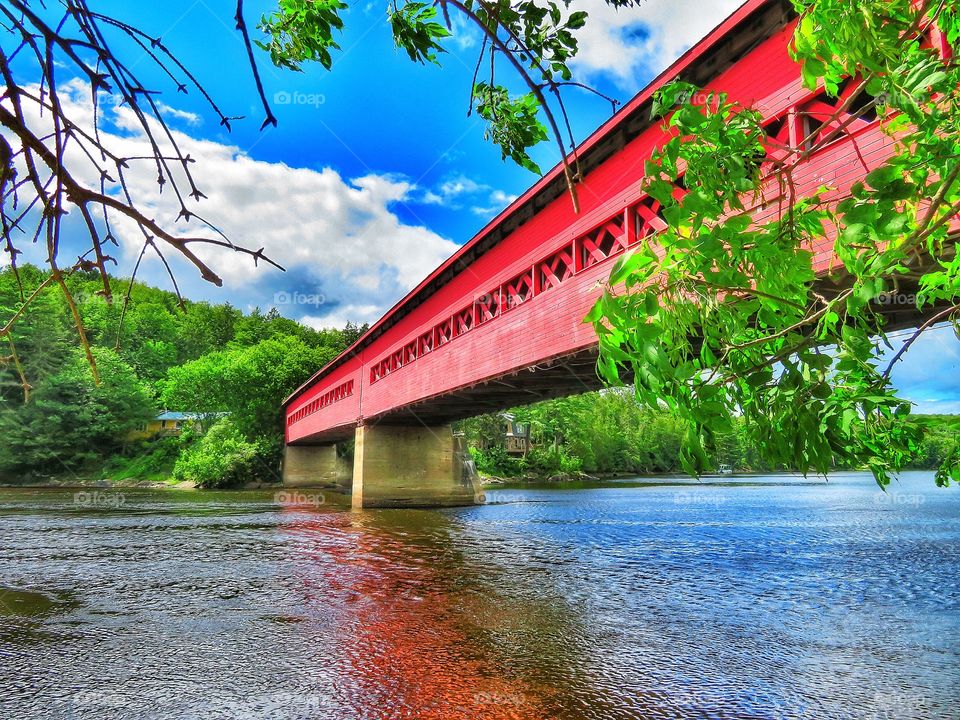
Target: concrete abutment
x,y
410,466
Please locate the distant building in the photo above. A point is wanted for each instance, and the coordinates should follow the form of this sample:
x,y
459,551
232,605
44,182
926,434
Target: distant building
x,y
516,435
170,423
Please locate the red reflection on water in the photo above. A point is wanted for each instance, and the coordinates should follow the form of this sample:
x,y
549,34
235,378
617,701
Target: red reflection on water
x,y
408,647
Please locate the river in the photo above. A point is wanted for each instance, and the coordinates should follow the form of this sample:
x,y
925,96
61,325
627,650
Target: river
x,y
760,597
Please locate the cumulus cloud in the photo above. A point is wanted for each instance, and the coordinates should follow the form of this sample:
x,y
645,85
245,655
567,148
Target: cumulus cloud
x,y
633,44
338,238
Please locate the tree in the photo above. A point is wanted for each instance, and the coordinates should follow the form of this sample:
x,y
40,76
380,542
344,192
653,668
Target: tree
x,y
71,420
722,317
224,457
249,383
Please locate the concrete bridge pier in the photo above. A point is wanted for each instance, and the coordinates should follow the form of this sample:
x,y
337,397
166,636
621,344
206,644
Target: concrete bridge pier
x,y
410,466
318,466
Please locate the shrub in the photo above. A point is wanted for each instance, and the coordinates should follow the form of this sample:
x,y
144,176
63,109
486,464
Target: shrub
x,y
551,461
225,458
496,461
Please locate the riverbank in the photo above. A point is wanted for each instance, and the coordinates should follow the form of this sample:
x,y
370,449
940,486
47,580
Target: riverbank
x,y
78,482
495,480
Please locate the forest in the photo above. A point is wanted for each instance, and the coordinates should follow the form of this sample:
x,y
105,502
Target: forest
x,y
233,370
230,368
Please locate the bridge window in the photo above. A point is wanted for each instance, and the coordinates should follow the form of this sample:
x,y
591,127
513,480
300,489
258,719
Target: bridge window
x,y
444,333
463,321
822,121
410,352
487,306
555,269
647,220
518,290
426,342
603,242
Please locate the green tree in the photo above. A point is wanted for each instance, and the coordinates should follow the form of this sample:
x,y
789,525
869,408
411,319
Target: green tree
x,y
249,383
224,457
725,317
70,420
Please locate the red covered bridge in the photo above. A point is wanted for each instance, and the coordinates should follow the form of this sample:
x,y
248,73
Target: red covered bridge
x,y
500,323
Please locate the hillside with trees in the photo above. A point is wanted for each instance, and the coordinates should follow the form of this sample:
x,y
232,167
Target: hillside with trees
x,y
231,368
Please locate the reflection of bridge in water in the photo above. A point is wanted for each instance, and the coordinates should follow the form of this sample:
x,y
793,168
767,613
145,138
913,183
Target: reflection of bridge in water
x,y
500,323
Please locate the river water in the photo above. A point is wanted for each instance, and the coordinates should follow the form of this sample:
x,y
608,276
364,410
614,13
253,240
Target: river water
x,y
767,597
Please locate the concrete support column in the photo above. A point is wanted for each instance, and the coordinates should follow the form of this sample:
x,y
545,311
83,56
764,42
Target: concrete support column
x,y
406,466
315,466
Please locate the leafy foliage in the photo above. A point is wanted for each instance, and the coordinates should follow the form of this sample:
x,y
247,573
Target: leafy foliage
x,y
71,420
513,123
302,31
416,31
224,457
722,318
222,382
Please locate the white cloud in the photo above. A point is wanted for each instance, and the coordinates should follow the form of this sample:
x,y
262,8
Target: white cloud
x,y
450,190
499,196
633,44
497,201
340,316
335,236
191,119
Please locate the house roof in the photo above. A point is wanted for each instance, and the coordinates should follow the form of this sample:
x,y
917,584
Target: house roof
x,y
178,416
174,415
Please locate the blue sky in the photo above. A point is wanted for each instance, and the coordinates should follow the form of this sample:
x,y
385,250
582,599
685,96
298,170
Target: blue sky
x,y
376,173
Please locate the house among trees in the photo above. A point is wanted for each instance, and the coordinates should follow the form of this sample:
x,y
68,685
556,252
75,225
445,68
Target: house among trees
x,y
167,423
516,435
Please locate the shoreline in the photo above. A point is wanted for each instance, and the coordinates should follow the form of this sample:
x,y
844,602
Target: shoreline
x,y
484,481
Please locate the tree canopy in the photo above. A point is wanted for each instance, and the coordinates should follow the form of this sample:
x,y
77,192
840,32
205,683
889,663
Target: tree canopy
x,y
721,315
